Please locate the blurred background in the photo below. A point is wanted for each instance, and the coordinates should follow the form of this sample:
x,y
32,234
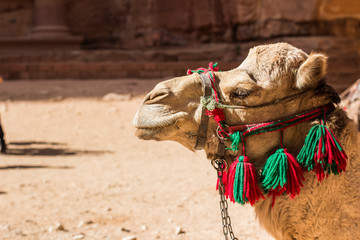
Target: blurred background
x,y
82,39
75,72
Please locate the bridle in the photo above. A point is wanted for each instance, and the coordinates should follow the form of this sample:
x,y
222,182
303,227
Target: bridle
x,y
208,85
219,163
204,119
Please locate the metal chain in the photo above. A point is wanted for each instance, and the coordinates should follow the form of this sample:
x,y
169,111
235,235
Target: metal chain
x,y
220,166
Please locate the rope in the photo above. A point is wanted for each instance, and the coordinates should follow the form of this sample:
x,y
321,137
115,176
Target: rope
x,y
278,125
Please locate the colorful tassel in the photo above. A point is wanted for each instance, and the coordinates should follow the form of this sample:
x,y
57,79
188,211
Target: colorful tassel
x,y
322,153
274,174
217,113
295,176
282,173
235,141
242,184
335,155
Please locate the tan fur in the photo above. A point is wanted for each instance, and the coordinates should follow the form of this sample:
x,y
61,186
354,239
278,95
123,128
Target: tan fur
x,y
329,210
311,71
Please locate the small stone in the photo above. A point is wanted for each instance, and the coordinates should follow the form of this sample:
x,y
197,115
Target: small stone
x,y
59,227
5,227
79,236
144,227
125,230
20,233
179,230
185,199
80,224
130,238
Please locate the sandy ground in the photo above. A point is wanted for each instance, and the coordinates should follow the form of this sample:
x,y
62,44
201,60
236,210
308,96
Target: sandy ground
x,y
75,170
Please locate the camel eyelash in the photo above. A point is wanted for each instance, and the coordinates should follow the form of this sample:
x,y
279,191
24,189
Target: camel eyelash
x,y
241,94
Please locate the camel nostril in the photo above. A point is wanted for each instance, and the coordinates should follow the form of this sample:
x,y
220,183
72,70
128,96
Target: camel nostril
x,y
156,96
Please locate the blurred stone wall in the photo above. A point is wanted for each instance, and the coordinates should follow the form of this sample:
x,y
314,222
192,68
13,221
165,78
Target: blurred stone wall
x,y
172,34
15,17
128,24
146,23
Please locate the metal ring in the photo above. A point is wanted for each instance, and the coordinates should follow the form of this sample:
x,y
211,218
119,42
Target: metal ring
x,y
218,129
218,163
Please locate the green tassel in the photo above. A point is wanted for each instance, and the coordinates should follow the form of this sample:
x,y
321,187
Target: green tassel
x,y
307,153
235,140
274,174
322,152
243,186
239,182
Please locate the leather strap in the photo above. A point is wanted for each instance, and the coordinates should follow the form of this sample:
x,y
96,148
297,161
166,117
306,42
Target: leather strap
x,y
204,119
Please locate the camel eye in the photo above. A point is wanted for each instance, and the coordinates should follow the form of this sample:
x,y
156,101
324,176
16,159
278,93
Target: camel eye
x,y
241,94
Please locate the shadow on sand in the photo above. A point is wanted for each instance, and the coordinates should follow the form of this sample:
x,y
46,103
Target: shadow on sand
x,y
40,148
10,167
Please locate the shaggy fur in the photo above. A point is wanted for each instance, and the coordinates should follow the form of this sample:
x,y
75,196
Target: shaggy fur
x,y
329,210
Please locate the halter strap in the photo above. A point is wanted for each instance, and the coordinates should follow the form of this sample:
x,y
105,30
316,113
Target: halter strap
x,y
204,119
210,103
281,124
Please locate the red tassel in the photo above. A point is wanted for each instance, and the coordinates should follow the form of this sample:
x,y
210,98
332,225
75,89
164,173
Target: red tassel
x,y
334,152
218,114
213,67
251,188
295,176
282,174
275,193
322,152
329,156
319,170
230,183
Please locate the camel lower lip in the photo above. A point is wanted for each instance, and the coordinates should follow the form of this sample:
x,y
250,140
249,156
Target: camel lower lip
x,y
147,133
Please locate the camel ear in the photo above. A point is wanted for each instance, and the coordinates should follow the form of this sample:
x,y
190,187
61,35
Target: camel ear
x,y
311,71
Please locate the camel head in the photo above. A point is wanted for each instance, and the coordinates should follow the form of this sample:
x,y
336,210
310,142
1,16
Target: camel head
x,y
172,110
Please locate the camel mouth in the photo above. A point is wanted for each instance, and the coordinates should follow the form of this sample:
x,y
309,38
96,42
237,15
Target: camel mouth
x,y
156,116
151,120
148,133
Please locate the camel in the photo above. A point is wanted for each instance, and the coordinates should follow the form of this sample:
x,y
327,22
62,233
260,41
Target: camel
x,y
274,82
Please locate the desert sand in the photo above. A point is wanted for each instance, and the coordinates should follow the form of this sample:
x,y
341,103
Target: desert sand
x,y
75,170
